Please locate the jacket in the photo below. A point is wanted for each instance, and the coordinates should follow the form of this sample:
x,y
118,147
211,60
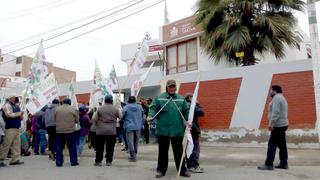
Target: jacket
x,y
198,112
49,116
65,117
106,119
85,124
169,120
278,111
132,117
39,117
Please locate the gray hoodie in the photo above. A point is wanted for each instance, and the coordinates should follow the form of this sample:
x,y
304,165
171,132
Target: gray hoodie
x,y
49,116
278,111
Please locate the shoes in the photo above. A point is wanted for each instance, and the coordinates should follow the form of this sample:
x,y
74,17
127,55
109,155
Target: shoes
x,y
124,149
98,164
282,167
159,175
185,174
132,159
108,163
16,163
2,164
196,169
265,167
36,153
75,164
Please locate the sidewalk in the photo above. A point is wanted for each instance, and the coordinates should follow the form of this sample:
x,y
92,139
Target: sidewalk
x,y
229,155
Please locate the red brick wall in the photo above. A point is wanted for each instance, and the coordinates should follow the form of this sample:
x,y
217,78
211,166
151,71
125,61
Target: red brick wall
x,y
297,87
218,99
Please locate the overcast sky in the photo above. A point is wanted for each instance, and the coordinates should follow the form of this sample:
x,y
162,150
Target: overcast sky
x,y
20,19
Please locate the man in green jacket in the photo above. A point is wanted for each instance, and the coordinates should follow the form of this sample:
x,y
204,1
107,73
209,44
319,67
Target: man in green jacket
x,y
168,108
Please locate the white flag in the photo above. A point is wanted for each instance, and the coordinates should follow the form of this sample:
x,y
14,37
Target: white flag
x,y
113,79
140,56
137,85
72,95
190,119
100,86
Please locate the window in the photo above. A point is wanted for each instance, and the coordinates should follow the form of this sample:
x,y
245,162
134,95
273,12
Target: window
x,y
18,74
19,60
182,57
148,63
1,60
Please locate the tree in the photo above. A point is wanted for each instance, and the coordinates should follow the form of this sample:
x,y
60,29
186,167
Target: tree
x,y
249,26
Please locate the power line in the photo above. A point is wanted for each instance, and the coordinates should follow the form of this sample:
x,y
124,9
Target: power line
x,y
28,13
66,25
131,14
75,28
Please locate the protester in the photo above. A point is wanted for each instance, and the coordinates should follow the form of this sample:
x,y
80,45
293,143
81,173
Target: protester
x,y
2,129
146,130
106,119
50,124
92,131
66,117
278,125
40,132
85,126
133,124
12,116
193,161
169,108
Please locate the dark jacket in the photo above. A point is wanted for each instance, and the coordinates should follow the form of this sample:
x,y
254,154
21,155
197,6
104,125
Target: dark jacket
x,y
198,112
39,116
49,116
85,124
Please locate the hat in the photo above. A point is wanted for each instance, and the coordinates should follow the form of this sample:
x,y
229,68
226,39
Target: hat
x,y
11,95
108,98
82,108
171,82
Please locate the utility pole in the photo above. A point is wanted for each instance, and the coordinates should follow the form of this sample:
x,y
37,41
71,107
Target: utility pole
x,y
314,38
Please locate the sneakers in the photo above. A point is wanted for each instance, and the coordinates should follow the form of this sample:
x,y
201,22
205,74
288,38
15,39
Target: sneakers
x,y
108,163
282,167
197,169
132,159
16,163
159,175
185,174
265,167
124,149
98,164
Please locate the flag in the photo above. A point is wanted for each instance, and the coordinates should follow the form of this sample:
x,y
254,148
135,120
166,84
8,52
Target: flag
x,y
190,119
136,86
2,98
113,79
100,86
140,56
72,95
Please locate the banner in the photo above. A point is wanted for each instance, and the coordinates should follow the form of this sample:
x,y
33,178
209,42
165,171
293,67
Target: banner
x,y
43,94
2,98
137,85
140,56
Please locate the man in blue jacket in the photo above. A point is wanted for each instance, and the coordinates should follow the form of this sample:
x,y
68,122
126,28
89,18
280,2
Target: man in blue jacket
x,y
133,123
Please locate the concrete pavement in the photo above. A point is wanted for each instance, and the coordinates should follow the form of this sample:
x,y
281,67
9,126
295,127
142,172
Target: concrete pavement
x,y
220,162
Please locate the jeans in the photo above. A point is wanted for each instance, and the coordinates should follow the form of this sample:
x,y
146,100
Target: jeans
x,y
277,139
81,144
70,139
193,160
40,140
51,130
132,140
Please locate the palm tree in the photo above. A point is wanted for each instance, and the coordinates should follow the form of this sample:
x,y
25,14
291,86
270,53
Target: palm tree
x,y
249,26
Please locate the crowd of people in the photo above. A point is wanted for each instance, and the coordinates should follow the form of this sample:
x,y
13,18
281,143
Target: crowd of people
x,y
60,124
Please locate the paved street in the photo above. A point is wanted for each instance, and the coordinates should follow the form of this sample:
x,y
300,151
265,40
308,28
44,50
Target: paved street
x,y
219,162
